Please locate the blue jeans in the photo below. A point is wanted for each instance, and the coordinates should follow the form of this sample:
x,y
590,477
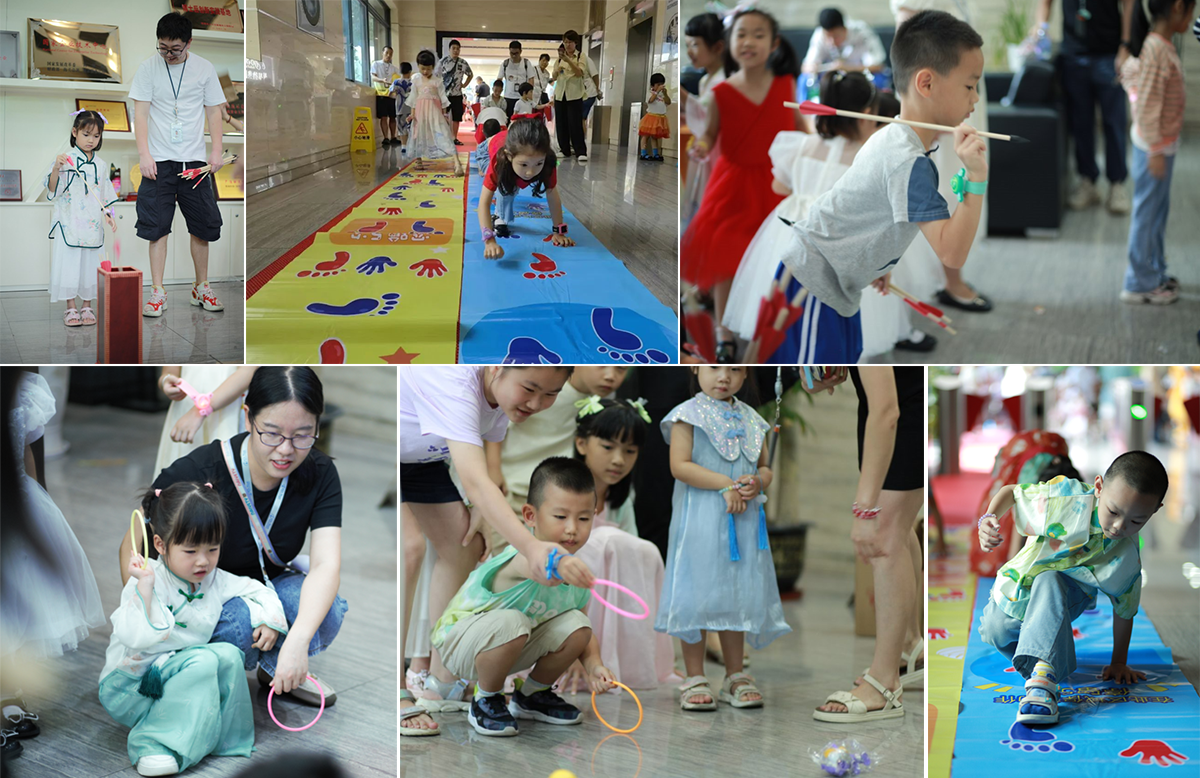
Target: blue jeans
x,y
504,206
1055,601
235,627
1088,79
1151,201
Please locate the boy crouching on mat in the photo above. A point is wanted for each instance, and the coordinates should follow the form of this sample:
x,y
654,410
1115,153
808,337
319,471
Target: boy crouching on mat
x,y
857,231
1081,540
502,622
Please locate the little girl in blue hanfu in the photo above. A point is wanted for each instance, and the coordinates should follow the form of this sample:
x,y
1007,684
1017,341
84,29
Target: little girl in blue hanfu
x,y
183,697
719,574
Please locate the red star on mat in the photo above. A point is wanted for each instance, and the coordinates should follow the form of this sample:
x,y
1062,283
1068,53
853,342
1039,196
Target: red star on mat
x,y
400,357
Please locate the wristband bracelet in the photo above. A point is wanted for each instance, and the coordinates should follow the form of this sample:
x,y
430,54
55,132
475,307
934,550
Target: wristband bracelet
x,y
985,516
560,229
730,488
865,513
489,235
961,187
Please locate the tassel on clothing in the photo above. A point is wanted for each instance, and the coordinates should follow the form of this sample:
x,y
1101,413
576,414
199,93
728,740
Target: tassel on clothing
x,y
152,683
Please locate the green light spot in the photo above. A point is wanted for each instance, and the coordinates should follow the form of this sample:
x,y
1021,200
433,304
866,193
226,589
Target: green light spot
x,y
1138,411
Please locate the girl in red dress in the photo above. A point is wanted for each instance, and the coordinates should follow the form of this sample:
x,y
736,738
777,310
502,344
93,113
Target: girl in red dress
x,y
746,112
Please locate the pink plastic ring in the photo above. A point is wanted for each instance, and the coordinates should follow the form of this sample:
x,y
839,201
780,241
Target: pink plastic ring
x,y
614,608
271,694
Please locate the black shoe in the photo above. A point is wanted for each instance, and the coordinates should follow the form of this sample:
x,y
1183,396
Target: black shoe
x,y
489,716
502,230
727,352
980,304
458,142
544,706
21,727
10,747
927,343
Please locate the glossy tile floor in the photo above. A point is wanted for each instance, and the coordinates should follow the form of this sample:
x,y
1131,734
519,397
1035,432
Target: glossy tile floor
x,y
32,331
95,485
796,672
1056,299
631,206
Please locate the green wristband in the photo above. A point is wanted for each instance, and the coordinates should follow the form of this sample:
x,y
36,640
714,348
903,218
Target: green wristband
x,y
962,187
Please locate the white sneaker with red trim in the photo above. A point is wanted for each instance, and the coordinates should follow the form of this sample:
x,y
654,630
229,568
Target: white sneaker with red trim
x,y
204,296
157,303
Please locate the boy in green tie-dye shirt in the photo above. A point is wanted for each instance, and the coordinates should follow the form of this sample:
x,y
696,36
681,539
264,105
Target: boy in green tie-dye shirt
x,y
502,621
1081,540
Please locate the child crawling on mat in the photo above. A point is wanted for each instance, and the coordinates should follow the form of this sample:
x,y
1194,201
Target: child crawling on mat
x,y
1082,540
502,621
855,232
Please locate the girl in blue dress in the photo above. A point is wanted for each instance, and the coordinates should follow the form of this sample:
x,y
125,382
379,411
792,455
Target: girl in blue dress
x,y
719,574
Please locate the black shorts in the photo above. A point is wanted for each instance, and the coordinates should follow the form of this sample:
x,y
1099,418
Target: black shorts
x,y
456,108
157,197
427,482
385,107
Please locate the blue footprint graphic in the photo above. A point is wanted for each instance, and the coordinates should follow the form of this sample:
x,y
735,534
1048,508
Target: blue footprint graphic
x,y
1022,738
617,343
396,196
427,204
422,227
362,305
401,188
530,351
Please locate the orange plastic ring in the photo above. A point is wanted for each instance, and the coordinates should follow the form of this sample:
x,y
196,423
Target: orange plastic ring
x,y
610,726
607,738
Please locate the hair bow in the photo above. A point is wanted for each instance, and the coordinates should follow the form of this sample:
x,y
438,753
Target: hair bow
x,y
639,405
158,492
85,110
728,14
731,434
588,405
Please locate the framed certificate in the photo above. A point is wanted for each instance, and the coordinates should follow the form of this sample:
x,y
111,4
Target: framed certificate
x,y
10,57
74,51
117,113
10,185
213,15
227,186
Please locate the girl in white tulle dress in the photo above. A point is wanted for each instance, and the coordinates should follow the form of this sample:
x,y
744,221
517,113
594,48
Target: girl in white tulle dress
x,y
608,437
805,167
432,137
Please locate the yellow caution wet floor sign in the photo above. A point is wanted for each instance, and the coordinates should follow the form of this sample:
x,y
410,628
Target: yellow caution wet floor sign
x,y
362,135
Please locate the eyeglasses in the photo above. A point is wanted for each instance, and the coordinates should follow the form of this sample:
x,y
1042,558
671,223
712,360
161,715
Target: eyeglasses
x,y
174,52
274,439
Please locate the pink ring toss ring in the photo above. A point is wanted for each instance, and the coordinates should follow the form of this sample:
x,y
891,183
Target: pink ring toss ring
x,y
614,608
271,694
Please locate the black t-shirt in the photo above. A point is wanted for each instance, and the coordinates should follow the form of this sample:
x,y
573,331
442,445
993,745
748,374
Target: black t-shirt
x,y
1102,32
310,503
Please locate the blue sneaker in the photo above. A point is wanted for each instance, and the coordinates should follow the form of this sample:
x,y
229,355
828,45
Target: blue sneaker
x,y
489,716
544,706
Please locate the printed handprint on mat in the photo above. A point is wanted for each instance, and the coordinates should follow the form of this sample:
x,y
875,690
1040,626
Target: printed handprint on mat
x,y
1154,752
391,211
428,268
375,265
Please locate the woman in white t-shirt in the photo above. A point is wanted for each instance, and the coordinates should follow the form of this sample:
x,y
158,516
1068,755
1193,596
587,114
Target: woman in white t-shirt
x,y
446,414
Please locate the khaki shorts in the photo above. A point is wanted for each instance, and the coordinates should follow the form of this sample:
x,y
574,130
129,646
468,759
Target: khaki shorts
x,y
492,629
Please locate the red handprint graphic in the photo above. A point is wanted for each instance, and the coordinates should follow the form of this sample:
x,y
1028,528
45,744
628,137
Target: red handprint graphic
x,y
391,211
1156,752
937,633
428,268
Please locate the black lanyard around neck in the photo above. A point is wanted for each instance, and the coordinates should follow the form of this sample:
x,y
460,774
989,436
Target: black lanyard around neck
x,y
175,90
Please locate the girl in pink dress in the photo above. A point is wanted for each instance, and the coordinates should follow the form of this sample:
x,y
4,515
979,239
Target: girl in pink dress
x,y
608,436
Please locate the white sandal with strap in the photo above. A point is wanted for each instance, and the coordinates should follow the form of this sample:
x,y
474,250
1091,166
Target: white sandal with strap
x,y
413,711
745,685
907,659
696,686
856,710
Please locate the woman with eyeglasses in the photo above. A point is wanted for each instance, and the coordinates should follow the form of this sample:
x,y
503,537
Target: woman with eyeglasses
x,y
271,477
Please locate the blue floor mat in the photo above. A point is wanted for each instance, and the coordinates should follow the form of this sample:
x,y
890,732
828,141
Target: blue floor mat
x,y
1104,729
542,304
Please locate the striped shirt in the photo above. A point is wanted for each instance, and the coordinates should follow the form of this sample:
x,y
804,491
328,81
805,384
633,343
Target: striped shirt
x,y
1154,82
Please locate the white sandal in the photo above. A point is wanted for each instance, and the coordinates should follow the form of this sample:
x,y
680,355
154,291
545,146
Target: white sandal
x,y
738,698
413,711
856,710
696,686
907,660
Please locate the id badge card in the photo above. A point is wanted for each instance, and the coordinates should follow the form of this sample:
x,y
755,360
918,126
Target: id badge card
x,y
177,132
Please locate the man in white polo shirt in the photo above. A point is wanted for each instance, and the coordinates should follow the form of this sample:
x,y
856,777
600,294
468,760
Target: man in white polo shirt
x,y
173,92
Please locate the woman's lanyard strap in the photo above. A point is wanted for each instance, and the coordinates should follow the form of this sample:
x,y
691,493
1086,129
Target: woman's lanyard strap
x,y
258,530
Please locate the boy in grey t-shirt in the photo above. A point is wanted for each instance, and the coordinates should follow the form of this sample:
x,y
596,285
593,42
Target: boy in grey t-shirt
x,y
854,233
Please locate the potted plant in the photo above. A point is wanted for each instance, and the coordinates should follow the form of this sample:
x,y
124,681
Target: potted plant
x,y
786,534
1014,28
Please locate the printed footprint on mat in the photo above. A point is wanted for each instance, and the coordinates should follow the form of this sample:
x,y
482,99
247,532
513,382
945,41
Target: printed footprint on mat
x,y
1022,738
329,268
620,344
544,268
530,351
363,305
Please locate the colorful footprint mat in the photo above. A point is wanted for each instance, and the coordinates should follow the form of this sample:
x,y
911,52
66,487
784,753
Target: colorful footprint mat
x,y
1105,729
381,285
544,304
951,595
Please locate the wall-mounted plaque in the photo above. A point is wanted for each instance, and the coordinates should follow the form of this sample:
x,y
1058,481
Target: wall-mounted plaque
x,y
214,15
115,111
74,51
10,55
10,185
